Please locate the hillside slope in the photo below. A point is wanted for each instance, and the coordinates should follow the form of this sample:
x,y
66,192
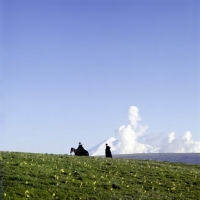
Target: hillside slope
x,y
47,176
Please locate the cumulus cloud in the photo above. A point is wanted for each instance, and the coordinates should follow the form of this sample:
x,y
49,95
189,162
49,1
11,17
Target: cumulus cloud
x,y
133,138
182,144
134,116
171,137
127,136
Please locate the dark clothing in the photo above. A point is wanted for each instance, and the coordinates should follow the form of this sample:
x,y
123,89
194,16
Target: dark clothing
x,y
80,149
108,152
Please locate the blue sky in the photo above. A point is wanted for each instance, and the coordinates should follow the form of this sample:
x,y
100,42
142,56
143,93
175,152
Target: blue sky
x,y
71,69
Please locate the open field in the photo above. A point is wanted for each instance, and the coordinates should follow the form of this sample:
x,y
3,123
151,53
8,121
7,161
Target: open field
x,y
48,176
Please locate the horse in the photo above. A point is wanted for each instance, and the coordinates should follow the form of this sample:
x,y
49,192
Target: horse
x,y
78,153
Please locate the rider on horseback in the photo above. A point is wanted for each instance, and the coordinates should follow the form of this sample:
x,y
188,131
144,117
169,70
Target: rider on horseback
x,y
80,149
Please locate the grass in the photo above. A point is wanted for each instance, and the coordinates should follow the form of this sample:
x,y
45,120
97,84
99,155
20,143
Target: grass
x,y
48,176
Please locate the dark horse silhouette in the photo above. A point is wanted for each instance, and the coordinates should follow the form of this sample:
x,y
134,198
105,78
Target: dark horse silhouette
x,y
79,153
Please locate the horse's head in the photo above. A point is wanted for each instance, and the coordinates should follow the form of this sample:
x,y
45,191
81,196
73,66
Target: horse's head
x,y
72,150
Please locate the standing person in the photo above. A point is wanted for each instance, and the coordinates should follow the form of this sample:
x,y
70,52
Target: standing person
x,y
108,152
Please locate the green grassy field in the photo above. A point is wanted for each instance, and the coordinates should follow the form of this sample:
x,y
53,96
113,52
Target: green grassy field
x,y
47,176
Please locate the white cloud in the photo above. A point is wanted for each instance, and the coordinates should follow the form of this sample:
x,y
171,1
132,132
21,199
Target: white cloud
x,y
134,139
134,117
182,144
171,137
127,135
187,136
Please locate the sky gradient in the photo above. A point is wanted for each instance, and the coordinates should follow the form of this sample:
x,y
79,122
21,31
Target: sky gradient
x,y
71,69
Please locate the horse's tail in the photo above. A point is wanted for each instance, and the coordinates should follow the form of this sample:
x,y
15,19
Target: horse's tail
x,y
86,153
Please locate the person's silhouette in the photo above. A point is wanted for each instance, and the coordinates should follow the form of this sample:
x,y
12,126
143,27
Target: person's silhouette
x,y
108,152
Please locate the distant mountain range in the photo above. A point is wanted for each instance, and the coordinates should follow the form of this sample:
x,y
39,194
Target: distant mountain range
x,y
118,148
